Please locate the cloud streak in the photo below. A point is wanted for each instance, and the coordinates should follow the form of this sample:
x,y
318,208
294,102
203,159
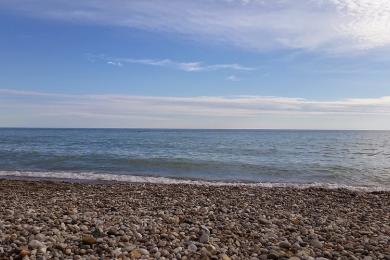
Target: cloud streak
x,y
168,63
328,25
232,78
199,112
115,63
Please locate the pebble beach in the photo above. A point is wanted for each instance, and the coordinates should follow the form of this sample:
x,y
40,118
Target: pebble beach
x,y
64,220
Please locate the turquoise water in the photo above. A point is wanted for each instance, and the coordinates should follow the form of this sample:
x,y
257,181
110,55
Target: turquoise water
x,y
355,158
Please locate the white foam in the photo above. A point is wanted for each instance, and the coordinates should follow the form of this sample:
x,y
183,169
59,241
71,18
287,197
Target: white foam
x,y
91,176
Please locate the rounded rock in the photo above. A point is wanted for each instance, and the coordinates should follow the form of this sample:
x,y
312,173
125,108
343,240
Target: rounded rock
x,y
35,244
88,240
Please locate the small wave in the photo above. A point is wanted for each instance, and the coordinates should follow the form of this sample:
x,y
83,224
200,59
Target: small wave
x,y
90,176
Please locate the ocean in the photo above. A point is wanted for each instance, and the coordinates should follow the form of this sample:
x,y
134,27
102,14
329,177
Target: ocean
x,y
284,157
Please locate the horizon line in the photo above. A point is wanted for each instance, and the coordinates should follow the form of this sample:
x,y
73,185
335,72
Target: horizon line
x,y
169,128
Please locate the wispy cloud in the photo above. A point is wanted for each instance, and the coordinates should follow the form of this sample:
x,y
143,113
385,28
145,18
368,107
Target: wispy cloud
x,y
193,66
246,105
115,63
233,78
326,25
202,111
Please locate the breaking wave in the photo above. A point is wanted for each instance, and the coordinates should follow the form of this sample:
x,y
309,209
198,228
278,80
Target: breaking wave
x,y
96,177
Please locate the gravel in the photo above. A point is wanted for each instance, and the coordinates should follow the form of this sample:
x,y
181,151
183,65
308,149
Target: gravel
x,y
62,220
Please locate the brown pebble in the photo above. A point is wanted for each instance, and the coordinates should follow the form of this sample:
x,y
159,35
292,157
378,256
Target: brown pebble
x,y
24,252
88,239
225,257
135,253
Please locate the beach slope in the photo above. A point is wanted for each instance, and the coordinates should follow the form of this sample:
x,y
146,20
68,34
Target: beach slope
x,y
146,221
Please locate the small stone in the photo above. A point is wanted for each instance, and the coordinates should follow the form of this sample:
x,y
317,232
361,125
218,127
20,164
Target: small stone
x,y
192,247
211,249
204,238
129,248
24,252
138,235
72,211
97,232
205,229
165,252
285,244
112,231
316,243
35,230
296,246
61,246
135,253
88,240
43,249
273,255
13,237
295,221
10,212
116,252
84,228
144,251
124,238
264,221
294,258
225,257
205,252
63,226
35,244
40,237
162,243
177,249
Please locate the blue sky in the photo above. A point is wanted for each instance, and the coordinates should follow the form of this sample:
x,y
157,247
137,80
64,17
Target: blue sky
x,y
198,64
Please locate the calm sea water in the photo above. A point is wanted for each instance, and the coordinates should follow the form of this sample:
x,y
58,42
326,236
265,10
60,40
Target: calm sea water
x,y
355,158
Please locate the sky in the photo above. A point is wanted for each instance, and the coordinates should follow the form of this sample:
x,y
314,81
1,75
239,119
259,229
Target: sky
x,y
288,64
